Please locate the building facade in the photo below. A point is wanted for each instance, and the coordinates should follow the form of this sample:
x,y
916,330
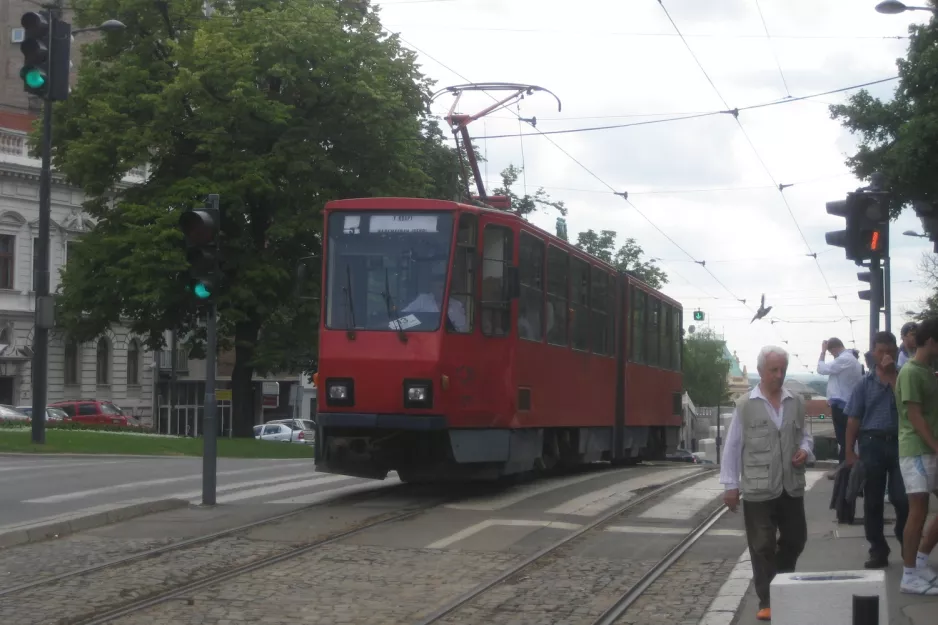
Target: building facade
x,y
114,367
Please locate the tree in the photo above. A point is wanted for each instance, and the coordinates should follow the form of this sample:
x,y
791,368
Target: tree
x,y
900,138
705,368
928,267
627,258
526,204
279,107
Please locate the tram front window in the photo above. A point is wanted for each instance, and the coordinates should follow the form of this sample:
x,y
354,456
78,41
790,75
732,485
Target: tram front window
x,y
386,271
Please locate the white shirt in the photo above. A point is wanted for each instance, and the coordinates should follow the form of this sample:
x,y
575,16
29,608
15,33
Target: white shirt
x,y
732,460
845,373
426,302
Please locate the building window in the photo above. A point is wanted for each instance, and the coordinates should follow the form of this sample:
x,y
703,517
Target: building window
x,y
531,274
580,303
7,260
637,348
558,268
102,360
462,286
133,362
71,363
497,253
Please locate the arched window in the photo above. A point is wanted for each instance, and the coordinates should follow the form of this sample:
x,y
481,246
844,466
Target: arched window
x,y
102,361
5,336
133,362
71,363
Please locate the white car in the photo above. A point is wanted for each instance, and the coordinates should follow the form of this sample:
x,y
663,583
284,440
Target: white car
x,y
281,432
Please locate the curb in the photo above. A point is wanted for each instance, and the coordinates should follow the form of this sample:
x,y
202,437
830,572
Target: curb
x,y
55,529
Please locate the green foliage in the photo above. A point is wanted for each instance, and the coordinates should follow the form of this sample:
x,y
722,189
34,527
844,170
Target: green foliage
x,y
627,258
705,368
526,204
279,107
900,138
11,424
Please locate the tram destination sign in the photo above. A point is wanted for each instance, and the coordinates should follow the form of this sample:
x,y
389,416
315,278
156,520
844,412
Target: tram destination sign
x,y
403,223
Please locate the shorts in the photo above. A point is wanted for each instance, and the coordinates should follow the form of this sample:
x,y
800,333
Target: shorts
x,y
919,473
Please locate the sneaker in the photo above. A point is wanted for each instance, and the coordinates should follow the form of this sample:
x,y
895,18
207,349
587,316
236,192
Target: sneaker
x,y
928,574
916,585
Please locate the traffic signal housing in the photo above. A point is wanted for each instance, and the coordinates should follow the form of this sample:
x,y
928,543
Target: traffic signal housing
x,y
46,49
867,220
201,229
875,292
698,315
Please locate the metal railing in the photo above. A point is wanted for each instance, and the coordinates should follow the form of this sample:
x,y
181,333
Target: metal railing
x,y
14,147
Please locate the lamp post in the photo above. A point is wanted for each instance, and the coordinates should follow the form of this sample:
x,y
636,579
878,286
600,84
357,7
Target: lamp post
x,y
912,233
893,7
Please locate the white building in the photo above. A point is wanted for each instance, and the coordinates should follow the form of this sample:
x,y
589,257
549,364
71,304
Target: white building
x,y
115,367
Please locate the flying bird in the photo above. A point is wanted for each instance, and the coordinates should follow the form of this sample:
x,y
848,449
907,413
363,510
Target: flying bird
x,y
762,312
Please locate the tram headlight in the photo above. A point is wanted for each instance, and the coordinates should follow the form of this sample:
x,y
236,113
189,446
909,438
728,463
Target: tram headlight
x,y
340,392
418,393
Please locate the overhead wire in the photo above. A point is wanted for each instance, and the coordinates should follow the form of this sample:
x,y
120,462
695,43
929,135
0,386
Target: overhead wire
x,y
772,48
623,195
781,188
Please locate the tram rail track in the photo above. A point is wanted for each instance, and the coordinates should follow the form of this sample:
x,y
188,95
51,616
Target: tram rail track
x,y
619,607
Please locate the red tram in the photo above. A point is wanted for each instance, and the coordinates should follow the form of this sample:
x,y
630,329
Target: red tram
x,y
546,355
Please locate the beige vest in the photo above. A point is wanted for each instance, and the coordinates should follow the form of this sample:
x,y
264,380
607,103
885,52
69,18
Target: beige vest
x,y
767,450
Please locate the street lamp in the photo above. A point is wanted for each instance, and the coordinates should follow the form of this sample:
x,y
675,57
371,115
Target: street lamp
x,y
912,233
108,27
892,7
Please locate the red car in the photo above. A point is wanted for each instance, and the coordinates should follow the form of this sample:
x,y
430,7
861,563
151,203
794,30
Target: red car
x,y
94,411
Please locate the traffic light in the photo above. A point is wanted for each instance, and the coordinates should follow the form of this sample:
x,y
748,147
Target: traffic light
x,y
875,290
847,238
867,220
698,315
201,229
46,49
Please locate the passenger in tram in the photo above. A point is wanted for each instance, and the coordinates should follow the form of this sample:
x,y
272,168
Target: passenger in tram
x,y
428,302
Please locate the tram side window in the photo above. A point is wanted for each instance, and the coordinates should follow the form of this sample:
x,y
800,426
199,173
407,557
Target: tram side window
x,y
558,262
463,282
664,355
677,324
531,274
651,332
600,311
497,253
579,303
638,325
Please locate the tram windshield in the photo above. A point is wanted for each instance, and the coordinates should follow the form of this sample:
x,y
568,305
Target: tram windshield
x,y
387,270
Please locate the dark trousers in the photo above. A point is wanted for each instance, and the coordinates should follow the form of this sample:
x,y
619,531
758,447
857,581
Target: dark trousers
x,y
879,454
777,531
840,430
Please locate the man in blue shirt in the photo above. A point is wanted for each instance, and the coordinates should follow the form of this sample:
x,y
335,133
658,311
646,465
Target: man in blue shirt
x,y
907,348
874,423
845,374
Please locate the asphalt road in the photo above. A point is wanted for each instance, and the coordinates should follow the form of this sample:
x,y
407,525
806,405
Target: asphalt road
x,y
37,488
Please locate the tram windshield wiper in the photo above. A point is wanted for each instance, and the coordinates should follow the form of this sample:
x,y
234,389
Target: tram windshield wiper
x,y
350,317
389,303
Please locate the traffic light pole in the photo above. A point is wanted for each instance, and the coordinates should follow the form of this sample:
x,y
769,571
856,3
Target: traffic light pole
x,y
210,424
43,321
887,279
876,296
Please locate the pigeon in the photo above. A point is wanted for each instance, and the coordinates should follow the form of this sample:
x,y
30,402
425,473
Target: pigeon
x,y
762,312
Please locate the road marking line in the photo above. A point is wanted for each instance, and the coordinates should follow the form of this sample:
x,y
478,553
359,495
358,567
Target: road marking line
x,y
159,482
592,504
335,492
195,496
281,488
648,529
478,527
64,465
515,495
688,502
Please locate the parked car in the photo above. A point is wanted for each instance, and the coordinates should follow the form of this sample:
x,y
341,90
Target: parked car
x,y
52,414
93,411
682,455
281,432
9,413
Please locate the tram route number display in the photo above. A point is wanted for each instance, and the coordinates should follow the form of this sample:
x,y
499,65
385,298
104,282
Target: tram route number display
x,y
402,223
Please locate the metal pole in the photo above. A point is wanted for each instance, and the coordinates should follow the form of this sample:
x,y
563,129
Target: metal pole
x,y
173,365
876,286
719,432
865,610
43,313
887,279
210,435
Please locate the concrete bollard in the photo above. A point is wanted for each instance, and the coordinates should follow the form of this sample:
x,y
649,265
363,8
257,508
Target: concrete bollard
x,y
829,598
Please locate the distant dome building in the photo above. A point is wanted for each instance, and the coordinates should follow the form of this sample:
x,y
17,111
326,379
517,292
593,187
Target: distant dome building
x,y
737,378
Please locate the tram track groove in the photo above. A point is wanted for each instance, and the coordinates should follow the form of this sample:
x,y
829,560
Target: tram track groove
x,y
463,600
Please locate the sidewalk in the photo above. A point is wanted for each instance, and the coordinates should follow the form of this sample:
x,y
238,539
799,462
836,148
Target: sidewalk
x,y
833,547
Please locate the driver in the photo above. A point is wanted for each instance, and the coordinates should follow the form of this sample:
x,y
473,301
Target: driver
x,y
427,302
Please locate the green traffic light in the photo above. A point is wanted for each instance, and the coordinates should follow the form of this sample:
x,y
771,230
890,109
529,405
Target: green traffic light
x,y
34,78
202,292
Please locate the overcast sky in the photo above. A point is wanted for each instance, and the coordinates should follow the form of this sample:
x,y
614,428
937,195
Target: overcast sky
x,y
699,180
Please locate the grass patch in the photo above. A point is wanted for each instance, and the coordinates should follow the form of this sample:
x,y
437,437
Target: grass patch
x,y
91,442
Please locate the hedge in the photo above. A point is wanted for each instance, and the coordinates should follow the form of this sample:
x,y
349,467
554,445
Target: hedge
x,y
13,424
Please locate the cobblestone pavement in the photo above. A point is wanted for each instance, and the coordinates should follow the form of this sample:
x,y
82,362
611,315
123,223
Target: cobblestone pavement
x,y
335,585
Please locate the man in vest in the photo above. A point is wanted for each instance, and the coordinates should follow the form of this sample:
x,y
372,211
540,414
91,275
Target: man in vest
x,y
766,450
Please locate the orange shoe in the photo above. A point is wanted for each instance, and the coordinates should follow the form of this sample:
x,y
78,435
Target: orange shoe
x,y
765,614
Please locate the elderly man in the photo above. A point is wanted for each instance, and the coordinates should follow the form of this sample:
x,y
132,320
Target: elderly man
x,y
766,450
845,372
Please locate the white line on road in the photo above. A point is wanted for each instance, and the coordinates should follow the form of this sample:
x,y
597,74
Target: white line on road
x,y
159,482
685,504
592,504
478,527
281,488
58,465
